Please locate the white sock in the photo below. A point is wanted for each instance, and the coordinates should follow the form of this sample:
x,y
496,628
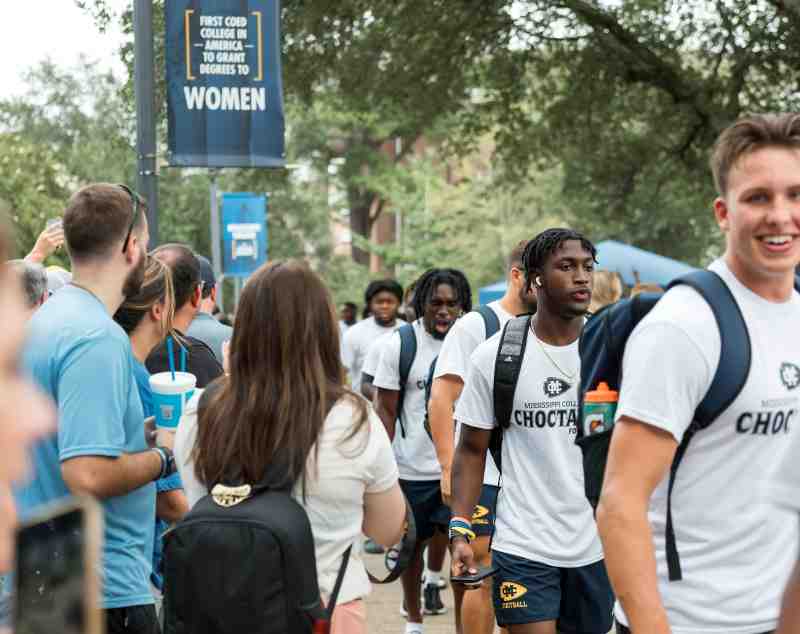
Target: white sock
x,y
432,577
414,628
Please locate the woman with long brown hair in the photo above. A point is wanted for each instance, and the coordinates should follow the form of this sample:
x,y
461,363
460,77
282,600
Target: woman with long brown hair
x,y
285,401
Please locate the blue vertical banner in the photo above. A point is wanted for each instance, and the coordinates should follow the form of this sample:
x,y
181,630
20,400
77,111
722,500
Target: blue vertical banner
x,y
224,89
244,233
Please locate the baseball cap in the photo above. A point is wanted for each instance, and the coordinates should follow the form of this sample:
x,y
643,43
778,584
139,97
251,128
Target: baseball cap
x,y
206,274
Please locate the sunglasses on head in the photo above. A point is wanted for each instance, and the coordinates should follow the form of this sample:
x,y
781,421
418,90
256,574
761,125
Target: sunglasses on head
x,y
136,203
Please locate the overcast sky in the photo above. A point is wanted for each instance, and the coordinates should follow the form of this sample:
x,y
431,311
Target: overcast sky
x,y
62,32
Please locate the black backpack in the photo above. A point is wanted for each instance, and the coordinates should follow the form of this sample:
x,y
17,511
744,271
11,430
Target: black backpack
x,y
491,324
242,560
602,346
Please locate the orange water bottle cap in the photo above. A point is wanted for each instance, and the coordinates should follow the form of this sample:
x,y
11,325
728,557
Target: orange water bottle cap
x,y
603,394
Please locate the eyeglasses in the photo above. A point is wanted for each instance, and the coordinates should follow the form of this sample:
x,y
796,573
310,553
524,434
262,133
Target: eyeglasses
x,y
136,201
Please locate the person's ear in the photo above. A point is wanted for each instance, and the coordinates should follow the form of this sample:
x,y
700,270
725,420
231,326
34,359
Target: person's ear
x,y
213,294
157,312
197,296
722,213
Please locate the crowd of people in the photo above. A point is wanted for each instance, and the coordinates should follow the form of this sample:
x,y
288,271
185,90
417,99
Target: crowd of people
x,y
369,423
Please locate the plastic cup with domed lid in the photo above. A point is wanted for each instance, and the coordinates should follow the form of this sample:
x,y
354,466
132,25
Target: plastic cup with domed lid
x,y
170,395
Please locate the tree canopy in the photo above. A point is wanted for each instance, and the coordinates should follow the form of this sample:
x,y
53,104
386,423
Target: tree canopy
x,y
623,98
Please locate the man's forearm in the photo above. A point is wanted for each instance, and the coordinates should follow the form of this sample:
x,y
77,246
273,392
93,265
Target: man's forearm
x,y
467,479
387,413
631,564
441,420
103,477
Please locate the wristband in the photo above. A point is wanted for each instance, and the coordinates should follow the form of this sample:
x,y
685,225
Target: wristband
x,y
460,527
167,462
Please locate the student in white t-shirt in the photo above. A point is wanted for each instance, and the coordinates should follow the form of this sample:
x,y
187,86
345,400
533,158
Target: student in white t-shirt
x,y
382,298
441,296
736,552
551,575
477,614
338,454
373,356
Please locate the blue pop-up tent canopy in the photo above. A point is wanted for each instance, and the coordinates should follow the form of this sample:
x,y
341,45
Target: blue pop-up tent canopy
x,y
620,257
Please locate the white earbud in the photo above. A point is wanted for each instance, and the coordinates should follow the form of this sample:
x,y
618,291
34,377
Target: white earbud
x,y
538,281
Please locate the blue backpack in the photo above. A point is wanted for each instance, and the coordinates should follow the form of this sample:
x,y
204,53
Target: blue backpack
x,y
602,345
408,351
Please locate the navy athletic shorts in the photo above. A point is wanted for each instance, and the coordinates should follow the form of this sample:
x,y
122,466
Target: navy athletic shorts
x,y
483,515
578,599
430,512
621,629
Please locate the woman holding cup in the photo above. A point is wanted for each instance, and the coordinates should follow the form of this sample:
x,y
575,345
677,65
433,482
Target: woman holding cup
x,y
147,318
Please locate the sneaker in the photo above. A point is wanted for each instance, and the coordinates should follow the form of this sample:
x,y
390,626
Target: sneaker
x,y
371,548
442,583
433,600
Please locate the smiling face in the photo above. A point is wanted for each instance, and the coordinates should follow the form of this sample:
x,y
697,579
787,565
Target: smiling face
x,y
567,280
760,215
441,311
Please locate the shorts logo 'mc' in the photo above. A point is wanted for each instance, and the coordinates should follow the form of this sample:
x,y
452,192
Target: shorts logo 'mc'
x,y
510,592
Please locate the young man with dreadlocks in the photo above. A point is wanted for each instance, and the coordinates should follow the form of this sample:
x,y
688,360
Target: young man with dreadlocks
x,y
551,574
477,614
441,296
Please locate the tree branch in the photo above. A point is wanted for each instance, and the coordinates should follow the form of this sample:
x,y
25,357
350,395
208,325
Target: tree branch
x,y
651,68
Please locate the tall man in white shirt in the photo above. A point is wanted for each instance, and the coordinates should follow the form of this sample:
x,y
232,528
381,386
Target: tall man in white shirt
x,y
551,575
477,613
382,298
442,295
736,553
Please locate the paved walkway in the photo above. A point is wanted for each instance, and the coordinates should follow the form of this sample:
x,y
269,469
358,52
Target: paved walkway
x,y
383,605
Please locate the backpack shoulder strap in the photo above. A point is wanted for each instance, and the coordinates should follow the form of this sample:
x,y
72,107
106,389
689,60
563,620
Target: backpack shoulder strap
x,y
507,366
408,350
491,322
729,379
337,585
734,359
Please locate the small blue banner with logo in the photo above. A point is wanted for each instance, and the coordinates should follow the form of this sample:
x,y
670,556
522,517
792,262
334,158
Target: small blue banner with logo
x,y
224,89
244,233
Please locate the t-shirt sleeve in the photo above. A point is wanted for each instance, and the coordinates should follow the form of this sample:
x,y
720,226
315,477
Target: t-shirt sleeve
x,y
666,375
475,406
382,472
170,483
387,375
457,347
95,382
184,445
373,357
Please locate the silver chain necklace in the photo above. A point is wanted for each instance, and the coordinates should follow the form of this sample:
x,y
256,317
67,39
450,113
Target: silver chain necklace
x,y
569,375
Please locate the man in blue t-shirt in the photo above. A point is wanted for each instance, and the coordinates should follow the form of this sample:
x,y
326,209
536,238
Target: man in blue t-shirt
x,y
82,359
